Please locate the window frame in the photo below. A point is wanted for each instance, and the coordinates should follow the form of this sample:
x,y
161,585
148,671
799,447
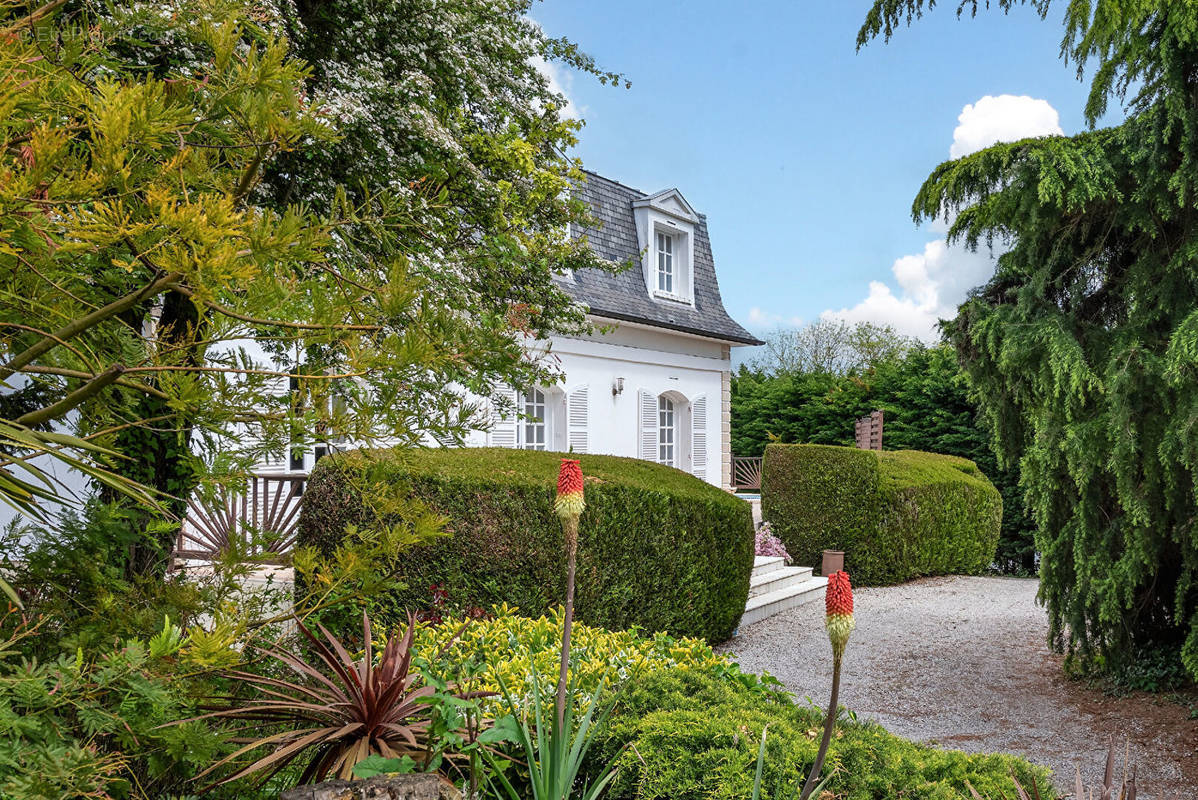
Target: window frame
x,y
527,422
667,431
666,263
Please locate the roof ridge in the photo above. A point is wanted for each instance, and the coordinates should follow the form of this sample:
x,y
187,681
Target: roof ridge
x,y
617,183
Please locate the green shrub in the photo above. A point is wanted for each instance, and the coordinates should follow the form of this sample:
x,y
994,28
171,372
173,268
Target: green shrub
x,y
685,734
659,549
896,514
92,724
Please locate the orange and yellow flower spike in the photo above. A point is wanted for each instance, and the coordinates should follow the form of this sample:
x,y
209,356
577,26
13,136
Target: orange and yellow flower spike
x,y
569,502
839,606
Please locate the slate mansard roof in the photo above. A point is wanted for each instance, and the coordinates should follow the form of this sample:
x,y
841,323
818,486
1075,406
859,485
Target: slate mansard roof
x,y
623,296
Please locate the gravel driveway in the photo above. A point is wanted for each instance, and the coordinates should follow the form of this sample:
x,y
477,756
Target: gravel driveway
x,y
962,663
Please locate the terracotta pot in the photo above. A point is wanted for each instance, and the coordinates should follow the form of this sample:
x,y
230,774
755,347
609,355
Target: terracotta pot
x,y
833,562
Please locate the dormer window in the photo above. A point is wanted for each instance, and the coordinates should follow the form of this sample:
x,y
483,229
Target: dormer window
x,y
666,226
665,263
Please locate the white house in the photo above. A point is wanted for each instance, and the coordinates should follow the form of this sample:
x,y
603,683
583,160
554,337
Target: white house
x,y
656,383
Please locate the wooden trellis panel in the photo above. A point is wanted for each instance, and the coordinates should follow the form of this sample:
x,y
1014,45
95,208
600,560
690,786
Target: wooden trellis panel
x,y
262,518
746,472
869,431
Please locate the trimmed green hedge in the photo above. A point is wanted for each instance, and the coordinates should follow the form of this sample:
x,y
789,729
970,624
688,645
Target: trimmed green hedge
x,y
684,734
658,549
897,514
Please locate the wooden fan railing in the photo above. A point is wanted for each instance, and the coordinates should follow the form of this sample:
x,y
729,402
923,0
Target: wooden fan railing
x,y
746,472
260,521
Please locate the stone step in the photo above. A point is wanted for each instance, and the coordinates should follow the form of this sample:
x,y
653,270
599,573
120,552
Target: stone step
x,y
767,582
766,605
763,564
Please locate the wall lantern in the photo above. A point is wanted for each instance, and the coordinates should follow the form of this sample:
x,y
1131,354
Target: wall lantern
x,y
617,387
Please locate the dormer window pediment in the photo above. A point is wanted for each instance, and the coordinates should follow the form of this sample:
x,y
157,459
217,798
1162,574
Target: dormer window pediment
x,y
670,202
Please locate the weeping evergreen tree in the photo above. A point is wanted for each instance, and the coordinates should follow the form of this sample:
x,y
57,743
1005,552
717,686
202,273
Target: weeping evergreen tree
x,y
1084,344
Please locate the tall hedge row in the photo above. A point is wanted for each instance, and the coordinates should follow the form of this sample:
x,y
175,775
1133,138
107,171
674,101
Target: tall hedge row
x,y
658,548
897,514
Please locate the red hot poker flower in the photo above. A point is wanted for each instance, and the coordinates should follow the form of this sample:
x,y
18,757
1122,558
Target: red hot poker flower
x,y
569,502
568,506
839,604
569,477
839,599
839,623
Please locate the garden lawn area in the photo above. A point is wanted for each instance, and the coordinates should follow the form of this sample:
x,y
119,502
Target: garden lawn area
x,y
962,662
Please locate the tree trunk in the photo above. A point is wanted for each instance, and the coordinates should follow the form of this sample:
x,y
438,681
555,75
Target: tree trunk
x,y
158,455
396,787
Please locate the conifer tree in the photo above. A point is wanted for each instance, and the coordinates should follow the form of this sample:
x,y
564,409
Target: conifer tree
x,y
1084,344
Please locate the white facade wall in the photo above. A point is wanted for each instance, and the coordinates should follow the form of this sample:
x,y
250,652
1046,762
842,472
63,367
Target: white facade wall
x,y
648,363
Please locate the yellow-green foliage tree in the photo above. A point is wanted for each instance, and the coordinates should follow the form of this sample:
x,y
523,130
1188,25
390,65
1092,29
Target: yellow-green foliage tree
x,y
163,281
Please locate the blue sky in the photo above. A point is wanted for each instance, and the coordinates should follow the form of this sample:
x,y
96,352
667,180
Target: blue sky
x,y
804,154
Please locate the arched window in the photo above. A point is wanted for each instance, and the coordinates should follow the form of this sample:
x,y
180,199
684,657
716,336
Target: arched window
x,y
664,430
535,424
667,432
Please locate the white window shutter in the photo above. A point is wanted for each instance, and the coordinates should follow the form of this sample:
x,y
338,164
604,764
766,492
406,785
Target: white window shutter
x,y
577,422
276,387
504,420
699,436
273,460
648,425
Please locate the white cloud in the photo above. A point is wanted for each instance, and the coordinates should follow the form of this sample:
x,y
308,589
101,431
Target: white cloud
x,y
760,318
1006,118
561,81
931,284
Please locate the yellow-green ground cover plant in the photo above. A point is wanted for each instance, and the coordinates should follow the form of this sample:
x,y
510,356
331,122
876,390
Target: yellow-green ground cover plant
x,y
685,735
687,723
508,648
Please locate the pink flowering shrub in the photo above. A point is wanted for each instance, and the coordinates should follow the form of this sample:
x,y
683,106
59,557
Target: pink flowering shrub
x,y
768,544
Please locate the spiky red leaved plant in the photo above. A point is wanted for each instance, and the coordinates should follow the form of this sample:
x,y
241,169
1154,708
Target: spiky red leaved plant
x,y
342,710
